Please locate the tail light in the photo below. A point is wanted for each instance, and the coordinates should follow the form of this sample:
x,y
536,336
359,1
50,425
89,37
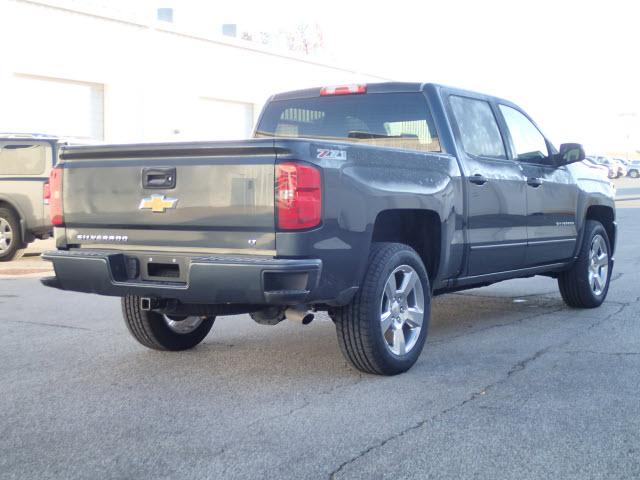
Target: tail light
x,y
55,197
343,90
46,192
298,196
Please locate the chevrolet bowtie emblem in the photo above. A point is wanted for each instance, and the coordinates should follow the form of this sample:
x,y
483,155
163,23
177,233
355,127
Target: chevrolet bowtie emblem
x,y
157,203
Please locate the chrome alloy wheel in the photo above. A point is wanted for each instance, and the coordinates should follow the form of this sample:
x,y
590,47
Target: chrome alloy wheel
x,y
402,310
182,325
6,235
598,265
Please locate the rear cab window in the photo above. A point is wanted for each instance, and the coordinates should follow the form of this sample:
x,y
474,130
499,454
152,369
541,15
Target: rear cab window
x,y
479,132
23,158
395,120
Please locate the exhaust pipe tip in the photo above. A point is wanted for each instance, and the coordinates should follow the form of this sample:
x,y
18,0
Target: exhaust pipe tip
x,y
302,316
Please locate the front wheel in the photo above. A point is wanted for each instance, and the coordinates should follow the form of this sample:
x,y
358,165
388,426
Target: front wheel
x,y
383,330
586,284
633,174
11,246
164,332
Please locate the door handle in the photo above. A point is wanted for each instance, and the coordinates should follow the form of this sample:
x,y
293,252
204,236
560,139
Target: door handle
x,y
158,178
478,179
534,182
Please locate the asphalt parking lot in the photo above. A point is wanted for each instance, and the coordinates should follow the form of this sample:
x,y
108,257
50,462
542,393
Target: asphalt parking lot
x,y
512,384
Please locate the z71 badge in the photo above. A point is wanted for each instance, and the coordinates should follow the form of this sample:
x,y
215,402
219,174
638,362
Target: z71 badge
x,y
332,154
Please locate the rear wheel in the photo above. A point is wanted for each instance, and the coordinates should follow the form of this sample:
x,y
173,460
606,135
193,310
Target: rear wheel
x,y
384,328
586,284
164,332
11,246
633,173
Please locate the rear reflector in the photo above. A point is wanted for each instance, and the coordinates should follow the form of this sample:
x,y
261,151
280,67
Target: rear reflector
x,y
343,90
46,192
298,196
55,197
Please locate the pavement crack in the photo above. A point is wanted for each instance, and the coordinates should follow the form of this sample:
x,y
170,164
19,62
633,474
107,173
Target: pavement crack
x,y
341,386
497,325
616,276
515,368
43,324
306,402
593,352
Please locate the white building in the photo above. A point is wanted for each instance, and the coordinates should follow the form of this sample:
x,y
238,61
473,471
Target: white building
x,y
78,68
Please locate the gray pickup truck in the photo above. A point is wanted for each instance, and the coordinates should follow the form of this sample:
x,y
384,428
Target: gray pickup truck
x,y
363,201
25,164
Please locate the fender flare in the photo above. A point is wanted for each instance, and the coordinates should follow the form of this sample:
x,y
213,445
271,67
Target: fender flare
x,y
584,223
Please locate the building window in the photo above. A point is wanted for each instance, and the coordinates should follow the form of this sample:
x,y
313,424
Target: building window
x,y
165,15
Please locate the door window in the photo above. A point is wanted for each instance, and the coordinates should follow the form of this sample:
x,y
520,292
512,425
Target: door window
x,y
529,143
478,127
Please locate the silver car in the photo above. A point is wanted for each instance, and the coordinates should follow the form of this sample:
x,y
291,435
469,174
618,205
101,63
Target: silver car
x,y
633,169
25,163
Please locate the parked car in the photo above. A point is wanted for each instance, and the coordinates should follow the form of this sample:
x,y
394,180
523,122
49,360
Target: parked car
x,y
622,168
25,164
622,161
604,161
633,170
360,200
598,167
616,169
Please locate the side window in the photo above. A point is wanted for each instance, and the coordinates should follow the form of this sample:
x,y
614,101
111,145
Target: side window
x,y
478,127
22,159
529,143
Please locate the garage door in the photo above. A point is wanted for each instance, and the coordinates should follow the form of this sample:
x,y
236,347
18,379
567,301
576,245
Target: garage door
x,y
223,120
53,106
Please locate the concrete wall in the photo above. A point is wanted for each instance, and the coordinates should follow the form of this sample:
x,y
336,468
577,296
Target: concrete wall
x,y
153,76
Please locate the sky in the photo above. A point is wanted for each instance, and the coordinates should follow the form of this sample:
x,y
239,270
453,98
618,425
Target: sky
x,y
572,65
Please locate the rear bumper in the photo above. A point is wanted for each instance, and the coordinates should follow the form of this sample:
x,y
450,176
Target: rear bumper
x,y
202,279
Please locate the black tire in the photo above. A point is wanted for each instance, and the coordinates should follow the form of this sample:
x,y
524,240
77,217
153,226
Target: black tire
x,y
152,330
358,324
14,248
575,286
633,173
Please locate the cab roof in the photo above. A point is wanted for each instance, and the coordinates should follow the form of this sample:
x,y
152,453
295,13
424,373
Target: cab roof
x,y
389,87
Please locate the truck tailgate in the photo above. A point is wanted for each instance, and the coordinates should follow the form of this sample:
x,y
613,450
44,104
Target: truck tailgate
x,y
210,196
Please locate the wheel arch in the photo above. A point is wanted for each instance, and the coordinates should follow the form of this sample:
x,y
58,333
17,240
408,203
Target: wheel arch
x,y
7,203
606,216
420,229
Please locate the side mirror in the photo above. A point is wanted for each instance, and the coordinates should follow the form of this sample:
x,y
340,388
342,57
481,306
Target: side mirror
x,y
570,153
